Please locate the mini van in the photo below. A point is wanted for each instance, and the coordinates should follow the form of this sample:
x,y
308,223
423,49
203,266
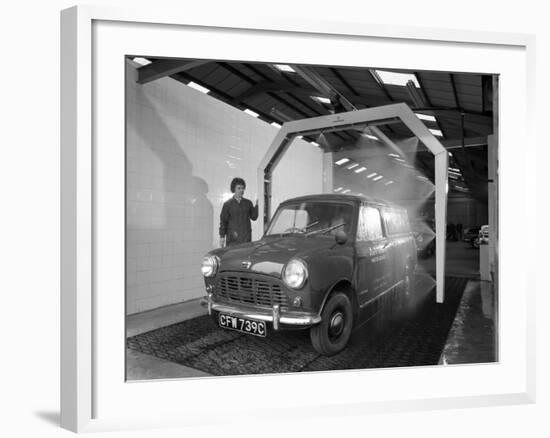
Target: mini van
x,y
324,264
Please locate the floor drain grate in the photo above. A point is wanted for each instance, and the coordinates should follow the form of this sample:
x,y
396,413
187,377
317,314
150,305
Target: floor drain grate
x,y
411,339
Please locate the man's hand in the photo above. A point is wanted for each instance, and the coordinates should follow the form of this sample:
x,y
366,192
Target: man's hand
x,y
222,242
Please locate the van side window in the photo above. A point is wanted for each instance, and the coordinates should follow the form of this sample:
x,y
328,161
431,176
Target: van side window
x,y
397,221
369,226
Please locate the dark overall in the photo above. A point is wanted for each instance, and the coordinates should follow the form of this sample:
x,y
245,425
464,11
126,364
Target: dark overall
x,y
235,221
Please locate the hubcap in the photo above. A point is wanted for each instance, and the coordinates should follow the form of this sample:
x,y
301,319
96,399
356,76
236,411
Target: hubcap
x,y
336,326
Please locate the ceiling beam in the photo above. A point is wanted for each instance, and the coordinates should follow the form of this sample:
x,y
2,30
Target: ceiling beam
x,y
321,85
426,98
442,109
468,142
477,129
245,78
165,67
324,87
185,77
455,93
270,87
343,80
381,86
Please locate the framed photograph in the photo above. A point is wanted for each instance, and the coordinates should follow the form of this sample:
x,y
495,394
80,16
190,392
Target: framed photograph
x,y
257,215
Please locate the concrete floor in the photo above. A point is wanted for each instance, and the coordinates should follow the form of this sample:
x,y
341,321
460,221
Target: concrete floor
x,y
461,261
472,338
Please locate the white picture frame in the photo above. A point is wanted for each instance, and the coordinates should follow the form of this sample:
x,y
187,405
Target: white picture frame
x,y
93,397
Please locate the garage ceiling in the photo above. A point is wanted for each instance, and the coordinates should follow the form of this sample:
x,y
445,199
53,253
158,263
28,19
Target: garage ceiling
x,y
457,106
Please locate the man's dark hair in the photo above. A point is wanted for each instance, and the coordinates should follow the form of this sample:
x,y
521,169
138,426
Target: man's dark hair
x,y
237,182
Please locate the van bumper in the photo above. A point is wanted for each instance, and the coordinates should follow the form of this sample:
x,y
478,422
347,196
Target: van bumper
x,y
275,314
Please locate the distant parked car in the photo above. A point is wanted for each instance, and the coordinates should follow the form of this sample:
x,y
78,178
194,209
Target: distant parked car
x,y
484,235
323,264
471,235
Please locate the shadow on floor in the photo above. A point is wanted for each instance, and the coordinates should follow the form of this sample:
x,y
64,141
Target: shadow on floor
x,y
51,417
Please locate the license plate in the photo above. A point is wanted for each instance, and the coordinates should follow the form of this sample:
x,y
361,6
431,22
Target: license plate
x,y
243,325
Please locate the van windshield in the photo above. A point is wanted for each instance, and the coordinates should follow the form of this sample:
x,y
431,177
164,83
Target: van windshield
x,y
312,218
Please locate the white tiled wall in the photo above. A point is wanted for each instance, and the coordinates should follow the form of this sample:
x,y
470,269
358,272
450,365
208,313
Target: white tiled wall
x,y
183,148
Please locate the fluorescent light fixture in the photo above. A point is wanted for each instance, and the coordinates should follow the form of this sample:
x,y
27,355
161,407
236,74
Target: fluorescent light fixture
x,y
372,137
378,178
325,100
436,132
314,143
401,160
426,117
452,169
352,166
372,174
198,87
338,189
285,68
346,191
395,78
450,154
361,169
251,113
276,125
300,136
342,161
388,183
142,61
394,155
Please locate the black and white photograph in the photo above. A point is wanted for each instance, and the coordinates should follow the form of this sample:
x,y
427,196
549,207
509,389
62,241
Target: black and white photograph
x,y
290,218
234,219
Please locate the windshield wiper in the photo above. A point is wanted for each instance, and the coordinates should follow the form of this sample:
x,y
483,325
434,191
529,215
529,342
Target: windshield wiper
x,y
299,230
310,225
325,230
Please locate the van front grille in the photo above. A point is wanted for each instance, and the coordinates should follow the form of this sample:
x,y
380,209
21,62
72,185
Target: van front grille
x,y
247,290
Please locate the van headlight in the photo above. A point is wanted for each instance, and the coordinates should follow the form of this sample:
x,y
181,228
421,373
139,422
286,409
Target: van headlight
x,y
210,266
295,273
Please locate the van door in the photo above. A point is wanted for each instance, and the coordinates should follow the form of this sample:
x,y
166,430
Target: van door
x,y
373,269
401,247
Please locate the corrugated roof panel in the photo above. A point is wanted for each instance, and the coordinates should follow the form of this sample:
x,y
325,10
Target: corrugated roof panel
x,y
239,88
468,79
442,100
249,73
217,77
228,82
399,94
203,71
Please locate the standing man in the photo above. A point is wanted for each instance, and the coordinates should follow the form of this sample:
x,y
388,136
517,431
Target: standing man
x,y
236,215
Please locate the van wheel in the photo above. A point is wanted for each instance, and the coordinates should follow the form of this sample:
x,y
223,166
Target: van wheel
x,y
332,334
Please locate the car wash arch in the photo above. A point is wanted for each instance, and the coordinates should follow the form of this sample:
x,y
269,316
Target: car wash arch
x,y
368,120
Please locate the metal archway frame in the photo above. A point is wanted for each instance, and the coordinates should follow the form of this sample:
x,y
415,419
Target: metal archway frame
x,y
351,119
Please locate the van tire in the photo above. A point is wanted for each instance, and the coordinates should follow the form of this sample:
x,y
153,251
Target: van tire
x,y
332,334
